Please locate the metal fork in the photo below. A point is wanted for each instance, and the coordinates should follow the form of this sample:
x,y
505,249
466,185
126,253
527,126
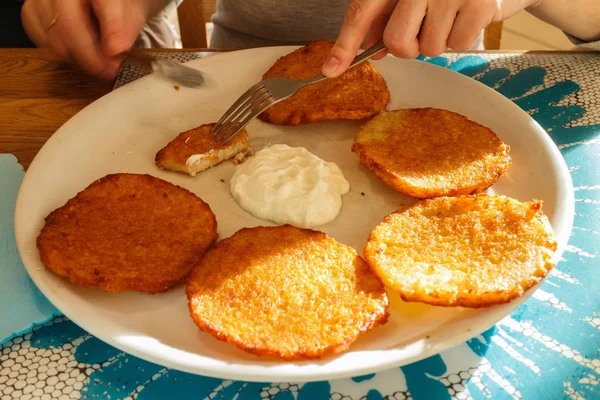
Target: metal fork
x,y
266,93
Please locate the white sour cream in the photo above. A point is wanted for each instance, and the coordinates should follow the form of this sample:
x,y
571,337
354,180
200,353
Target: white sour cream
x,y
289,185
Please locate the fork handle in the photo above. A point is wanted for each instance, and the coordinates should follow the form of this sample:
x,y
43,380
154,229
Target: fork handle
x,y
370,52
364,56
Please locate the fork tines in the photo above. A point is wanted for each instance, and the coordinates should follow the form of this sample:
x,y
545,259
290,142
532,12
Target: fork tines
x,y
256,100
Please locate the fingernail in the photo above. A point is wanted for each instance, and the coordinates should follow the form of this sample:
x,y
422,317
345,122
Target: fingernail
x,y
330,66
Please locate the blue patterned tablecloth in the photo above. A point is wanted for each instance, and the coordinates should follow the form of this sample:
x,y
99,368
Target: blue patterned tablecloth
x,y
549,348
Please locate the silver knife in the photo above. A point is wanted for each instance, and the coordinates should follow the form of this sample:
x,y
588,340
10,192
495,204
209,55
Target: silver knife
x,y
175,71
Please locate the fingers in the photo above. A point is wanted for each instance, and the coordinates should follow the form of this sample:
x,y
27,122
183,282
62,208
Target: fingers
x,y
39,19
111,23
82,40
57,46
74,36
411,27
402,30
358,20
469,23
376,34
36,16
120,23
437,26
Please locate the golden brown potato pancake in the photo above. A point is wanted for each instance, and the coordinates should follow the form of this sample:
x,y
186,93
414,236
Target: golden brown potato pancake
x,y
286,292
197,150
359,93
470,251
127,232
428,152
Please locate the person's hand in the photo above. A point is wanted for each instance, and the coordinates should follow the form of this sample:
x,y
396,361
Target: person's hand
x,y
410,27
93,34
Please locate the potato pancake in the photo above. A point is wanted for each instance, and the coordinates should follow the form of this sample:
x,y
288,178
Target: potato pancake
x,y
127,232
286,292
428,152
196,150
358,93
470,251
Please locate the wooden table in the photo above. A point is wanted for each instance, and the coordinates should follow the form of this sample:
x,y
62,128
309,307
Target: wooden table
x,y
37,95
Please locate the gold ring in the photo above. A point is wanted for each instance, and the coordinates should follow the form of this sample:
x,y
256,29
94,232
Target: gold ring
x,y
53,22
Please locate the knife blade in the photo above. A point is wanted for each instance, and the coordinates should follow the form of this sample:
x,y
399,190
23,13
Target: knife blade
x,y
173,70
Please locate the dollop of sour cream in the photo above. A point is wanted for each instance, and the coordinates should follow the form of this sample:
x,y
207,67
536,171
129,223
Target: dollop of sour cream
x,y
289,185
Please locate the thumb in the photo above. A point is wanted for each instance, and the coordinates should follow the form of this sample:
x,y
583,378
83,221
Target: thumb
x,y
120,24
357,21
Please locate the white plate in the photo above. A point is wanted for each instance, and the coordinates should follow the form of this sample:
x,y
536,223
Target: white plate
x,y
122,131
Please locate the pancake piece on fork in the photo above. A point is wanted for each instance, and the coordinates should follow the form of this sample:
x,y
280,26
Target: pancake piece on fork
x,y
358,93
196,150
470,251
286,292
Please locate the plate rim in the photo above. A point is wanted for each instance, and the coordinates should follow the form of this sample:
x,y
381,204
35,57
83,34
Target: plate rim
x,y
240,371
